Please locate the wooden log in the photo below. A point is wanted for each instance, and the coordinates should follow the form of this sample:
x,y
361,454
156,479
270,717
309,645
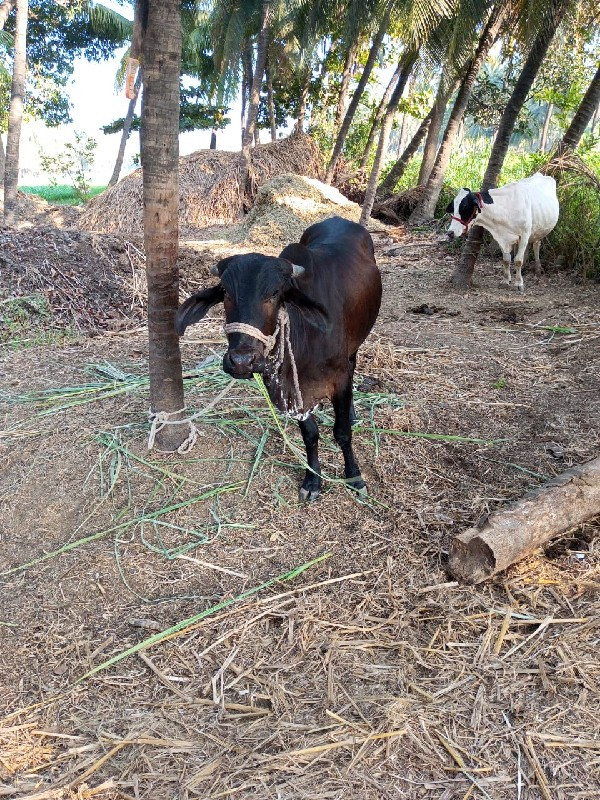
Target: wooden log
x,y
508,535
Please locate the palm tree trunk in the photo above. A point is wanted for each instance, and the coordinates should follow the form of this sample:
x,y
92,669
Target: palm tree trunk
x,y
555,12
15,114
299,126
583,115
595,119
259,71
386,187
545,128
213,139
160,151
425,209
126,130
407,62
346,75
379,115
5,10
358,92
246,82
433,133
270,101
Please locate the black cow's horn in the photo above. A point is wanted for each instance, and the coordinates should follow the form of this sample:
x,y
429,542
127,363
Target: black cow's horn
x,y
297,270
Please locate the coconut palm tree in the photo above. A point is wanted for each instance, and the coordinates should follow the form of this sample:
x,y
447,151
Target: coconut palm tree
x,y
347,70
583,115
257,79
5,9
160,151
386,187
379,114
15,115
554,11
385,11
407,62
126,130
492,28
444,92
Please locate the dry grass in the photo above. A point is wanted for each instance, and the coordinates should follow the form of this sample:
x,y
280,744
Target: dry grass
x,y
211,188
285,206
368,676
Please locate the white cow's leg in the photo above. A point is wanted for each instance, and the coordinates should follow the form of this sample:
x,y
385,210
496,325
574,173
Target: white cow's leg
x,y
523,241
506,266
536,254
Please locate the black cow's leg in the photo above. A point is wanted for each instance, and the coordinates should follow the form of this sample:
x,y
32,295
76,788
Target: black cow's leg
x,y
352,361
311,487
342,432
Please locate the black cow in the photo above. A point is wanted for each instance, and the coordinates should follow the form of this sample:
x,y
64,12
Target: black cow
x,y
330,287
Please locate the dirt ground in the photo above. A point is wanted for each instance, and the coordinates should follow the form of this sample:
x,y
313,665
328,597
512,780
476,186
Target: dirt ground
x,y
369,674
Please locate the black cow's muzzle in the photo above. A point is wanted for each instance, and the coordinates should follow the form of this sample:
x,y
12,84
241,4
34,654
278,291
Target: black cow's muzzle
x,y
242,363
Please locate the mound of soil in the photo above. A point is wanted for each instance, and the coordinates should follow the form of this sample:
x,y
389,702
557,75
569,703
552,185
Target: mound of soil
x,y
34,210
212,190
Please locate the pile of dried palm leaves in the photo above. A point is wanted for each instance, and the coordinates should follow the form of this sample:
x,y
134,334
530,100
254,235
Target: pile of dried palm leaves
x,y
212,187
398,207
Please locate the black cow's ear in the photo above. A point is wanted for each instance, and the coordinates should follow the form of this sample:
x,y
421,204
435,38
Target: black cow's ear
x,y
474,198
196,306
487,197
219,268
312,312
297,254
450,207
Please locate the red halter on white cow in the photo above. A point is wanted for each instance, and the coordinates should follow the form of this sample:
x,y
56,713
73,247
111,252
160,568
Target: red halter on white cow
x,y
516,215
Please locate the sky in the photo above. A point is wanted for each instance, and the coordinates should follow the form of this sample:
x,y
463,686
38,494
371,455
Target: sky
x,y
96,102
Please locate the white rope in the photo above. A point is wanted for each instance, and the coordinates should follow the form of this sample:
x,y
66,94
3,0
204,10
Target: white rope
x,y
160,419
280,339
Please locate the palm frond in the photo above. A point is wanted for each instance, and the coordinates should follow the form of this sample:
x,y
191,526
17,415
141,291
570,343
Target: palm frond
x,y
105,22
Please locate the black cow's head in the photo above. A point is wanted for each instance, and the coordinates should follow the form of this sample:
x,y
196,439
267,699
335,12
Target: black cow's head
x,y
252,289
465,207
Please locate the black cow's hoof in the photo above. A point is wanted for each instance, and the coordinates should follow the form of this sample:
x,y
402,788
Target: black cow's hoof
x,y
357,485
308,495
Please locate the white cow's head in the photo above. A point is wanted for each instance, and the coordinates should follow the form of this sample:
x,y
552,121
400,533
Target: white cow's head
x,y
464,208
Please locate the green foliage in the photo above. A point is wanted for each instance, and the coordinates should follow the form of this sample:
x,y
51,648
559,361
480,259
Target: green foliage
x,y
57,33
355,143
27,322
60,194
576,238
73,162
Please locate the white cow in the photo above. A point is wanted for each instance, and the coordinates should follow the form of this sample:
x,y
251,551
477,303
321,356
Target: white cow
x,y
518,214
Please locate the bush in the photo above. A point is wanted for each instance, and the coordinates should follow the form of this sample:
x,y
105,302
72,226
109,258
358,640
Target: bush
x,y
575,241
73,162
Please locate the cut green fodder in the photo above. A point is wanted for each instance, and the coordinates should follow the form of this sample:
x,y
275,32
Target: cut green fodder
x,y
26,321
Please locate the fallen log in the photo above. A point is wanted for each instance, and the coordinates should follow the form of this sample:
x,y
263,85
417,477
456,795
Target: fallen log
x,y
543,514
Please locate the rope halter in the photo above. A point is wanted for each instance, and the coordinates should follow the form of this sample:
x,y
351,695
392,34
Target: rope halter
x,y
473,213
278,341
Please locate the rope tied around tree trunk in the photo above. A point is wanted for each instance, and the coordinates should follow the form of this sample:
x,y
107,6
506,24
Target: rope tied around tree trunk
x,y
160,419
279,341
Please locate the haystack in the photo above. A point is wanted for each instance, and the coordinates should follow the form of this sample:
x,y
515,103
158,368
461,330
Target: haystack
x,y
288,204
212,190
